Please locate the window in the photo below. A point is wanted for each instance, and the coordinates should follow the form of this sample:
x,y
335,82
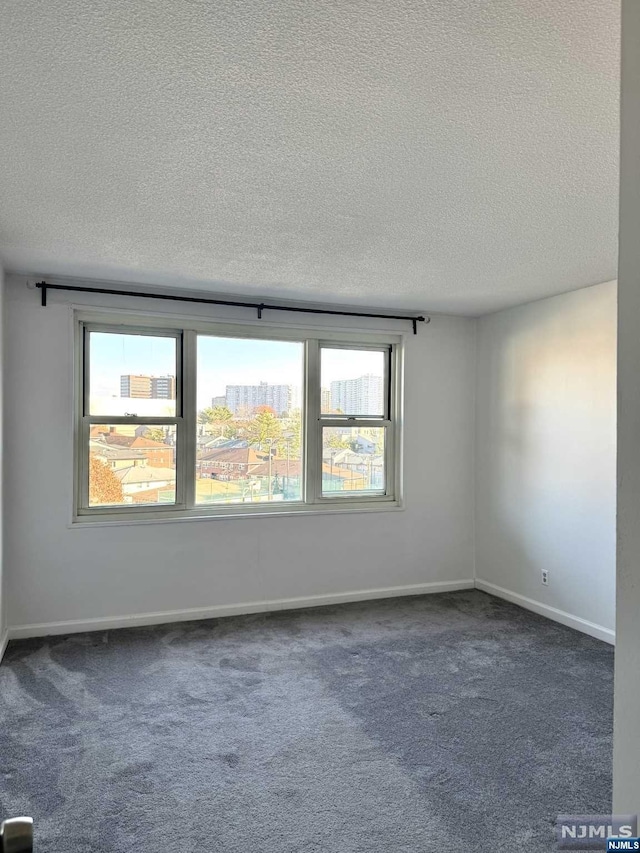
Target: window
x,y
222,420
355,418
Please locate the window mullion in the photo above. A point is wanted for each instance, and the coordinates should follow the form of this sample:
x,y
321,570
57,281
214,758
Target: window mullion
x,y
82,463
84,381
188,443
312,432
394,433
390,478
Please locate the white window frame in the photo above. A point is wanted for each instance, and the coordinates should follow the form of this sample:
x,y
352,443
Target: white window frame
x,y
185,332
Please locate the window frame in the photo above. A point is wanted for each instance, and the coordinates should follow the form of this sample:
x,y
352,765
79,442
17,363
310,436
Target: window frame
x,y
185,420
87,420
322,421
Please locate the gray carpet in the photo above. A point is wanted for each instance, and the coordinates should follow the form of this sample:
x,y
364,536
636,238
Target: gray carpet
x,y
416,724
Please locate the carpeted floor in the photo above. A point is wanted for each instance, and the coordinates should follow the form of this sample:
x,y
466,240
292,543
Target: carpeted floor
x,y
427,724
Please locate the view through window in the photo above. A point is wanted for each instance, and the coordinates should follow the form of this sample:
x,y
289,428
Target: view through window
x,y
132,376
353,393
229,427
249,442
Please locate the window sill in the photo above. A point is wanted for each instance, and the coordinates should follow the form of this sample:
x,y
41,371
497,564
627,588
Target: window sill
x,y
89,521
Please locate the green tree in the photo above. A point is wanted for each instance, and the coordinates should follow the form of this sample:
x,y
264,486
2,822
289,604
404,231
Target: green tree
x,y
104,486
264,428
221,417
218,417
205,415
338,442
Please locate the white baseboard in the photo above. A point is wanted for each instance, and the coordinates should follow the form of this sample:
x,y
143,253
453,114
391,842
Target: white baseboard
x,y
104,623
591,628
4,639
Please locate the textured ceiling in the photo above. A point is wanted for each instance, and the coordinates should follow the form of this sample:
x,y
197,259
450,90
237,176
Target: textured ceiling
x,y
448,155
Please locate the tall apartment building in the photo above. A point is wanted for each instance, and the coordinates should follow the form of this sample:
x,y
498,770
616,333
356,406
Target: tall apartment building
x,y
163,387
243,399
220,401
132,385
148,387
362,396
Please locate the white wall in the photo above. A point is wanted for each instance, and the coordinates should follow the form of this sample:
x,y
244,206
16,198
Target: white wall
x,y
57,573
546,450
626,740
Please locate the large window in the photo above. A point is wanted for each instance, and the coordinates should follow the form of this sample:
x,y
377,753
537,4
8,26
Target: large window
x,y
221,420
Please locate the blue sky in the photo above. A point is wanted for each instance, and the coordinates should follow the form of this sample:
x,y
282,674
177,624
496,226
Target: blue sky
x,y
221,362
231,361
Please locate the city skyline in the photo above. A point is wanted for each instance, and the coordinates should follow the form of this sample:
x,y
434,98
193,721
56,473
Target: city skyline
x,y
239,398
221,362
362,395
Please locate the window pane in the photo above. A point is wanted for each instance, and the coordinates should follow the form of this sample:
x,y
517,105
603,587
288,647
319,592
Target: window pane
x,y
132,374
249,441
352,382
353,460
132,464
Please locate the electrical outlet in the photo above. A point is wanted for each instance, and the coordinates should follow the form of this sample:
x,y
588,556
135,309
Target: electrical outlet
x,y
545,577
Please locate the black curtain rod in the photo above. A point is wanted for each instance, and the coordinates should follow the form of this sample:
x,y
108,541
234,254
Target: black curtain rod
x,y
258,306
